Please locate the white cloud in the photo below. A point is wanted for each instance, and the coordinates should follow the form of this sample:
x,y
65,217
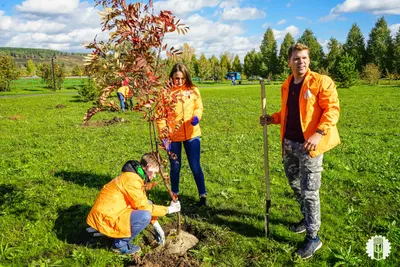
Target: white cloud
x,y
212,38
182,7
394,28
376,7
65,30
5,21
324,43
50,7
293,30
329,17
283,21
237,13
303,18
265,25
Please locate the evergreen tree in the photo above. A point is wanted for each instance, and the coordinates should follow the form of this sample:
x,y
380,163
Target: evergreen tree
x,y
396,53
269,50
380,46
283,67
237,66
195,66
344,71
335,50
226,61
355,46
316,52
214,64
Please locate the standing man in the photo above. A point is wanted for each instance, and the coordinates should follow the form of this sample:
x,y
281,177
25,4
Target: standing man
x,y
308,117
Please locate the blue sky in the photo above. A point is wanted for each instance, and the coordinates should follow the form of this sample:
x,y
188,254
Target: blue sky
x,y
216,26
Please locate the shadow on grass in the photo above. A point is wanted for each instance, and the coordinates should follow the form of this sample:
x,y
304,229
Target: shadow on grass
x,y
84,178
77,99
70,226
221,216
7,193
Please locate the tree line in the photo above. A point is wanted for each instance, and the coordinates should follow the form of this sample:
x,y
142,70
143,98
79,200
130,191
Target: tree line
x,y
379,56
32,53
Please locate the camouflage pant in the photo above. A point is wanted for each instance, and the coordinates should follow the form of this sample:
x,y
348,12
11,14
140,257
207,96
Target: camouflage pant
x,y
304,175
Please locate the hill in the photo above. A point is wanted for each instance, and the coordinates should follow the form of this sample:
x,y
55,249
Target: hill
x,y
22,55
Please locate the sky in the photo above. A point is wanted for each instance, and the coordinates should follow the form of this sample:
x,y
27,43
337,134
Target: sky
x,y
235,26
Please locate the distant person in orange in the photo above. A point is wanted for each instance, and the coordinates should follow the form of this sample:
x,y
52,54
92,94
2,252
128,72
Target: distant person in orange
x,y
124,93
308,118
189,108
122,210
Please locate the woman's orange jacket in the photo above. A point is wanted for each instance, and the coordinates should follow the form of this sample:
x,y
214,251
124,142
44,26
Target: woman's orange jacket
x,y
110,214
319,109
189,104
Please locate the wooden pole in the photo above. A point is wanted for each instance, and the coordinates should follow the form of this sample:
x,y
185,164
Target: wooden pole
x,y
266,162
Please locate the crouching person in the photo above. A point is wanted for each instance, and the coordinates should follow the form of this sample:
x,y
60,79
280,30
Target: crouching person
x,y
122,210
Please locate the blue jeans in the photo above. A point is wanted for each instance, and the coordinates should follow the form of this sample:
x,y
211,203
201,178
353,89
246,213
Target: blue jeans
x,y
121,100
139,220
192,149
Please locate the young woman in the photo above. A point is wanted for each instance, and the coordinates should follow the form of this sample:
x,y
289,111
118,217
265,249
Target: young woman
x,y
186,116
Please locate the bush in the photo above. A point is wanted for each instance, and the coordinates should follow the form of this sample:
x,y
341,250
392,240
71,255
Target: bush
x,y
89,90
372,73
344,71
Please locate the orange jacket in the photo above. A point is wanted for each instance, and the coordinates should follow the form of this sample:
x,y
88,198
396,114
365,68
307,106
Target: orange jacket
x,y
319,109
189,105
124,90
110,214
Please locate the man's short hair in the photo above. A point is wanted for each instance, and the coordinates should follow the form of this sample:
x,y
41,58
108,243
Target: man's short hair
x,y
149,158
297,47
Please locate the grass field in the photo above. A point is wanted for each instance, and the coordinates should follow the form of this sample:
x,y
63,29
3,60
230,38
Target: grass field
x,y
52,169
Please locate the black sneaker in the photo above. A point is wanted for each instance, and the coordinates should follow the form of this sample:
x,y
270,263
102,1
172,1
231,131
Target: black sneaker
x,y
309,247
298,227
202,202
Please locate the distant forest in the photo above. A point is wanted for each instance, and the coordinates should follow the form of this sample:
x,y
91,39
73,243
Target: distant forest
x,y
34,53
40,56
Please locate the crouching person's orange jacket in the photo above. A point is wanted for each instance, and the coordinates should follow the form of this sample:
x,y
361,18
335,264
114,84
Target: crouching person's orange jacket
x,y
319,109
110,214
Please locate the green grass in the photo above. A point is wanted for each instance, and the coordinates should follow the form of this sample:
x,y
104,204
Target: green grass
x,y
37,86
52,169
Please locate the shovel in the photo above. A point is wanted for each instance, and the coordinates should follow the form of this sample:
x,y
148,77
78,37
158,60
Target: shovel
x,y
266,162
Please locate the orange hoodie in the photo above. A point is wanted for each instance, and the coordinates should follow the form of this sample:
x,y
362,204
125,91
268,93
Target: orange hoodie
x,y
189,105
319,109
110,214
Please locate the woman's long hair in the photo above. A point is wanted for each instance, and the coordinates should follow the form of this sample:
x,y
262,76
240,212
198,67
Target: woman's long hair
x,y
182,68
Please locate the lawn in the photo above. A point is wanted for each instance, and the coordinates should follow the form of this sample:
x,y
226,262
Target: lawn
x,y
52,169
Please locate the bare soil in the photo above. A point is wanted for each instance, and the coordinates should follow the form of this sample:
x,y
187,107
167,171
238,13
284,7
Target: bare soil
x,y
106,122
175,250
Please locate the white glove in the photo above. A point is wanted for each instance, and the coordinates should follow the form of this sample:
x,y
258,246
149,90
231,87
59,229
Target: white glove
x,y
160,236
174,207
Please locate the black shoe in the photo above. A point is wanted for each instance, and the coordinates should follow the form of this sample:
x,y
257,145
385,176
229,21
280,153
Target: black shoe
x,y
202,202
309,247
298,227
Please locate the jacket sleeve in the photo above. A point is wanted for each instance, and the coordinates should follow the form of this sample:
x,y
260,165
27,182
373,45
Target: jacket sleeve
x,y
139,201
276,117
198,104
329,103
